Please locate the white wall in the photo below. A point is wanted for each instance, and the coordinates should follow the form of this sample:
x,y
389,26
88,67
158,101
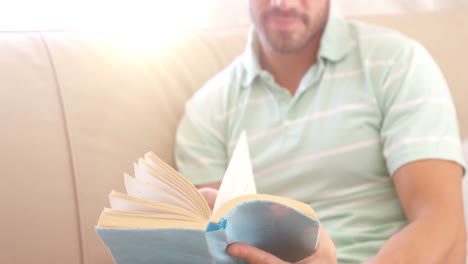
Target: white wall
x,y
154,15
234,12
372,7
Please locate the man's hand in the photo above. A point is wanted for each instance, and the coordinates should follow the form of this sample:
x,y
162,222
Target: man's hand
x,y
325,253
210,195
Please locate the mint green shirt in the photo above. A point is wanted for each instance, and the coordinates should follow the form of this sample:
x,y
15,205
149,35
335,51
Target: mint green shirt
x,y
374,101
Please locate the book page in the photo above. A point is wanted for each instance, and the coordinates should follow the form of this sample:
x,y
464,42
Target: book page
x,y
168,175
152,174
116,219
127,203
238,179
142,190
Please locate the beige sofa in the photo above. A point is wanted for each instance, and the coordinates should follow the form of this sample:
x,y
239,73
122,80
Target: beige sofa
x,y
77,110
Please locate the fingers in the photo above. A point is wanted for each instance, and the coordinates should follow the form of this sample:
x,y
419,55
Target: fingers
x,y
325,252
252,254
325,241
210,195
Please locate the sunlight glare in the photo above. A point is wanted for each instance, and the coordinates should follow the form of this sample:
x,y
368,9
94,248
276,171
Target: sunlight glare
x,y
142,25
134,23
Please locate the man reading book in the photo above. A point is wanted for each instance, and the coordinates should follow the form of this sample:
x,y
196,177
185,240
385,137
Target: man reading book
x,y
353,119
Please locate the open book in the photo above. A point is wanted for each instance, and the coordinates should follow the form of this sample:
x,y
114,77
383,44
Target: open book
x,y
164,219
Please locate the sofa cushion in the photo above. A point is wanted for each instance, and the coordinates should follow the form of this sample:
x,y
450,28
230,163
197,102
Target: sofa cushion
x,y
40,221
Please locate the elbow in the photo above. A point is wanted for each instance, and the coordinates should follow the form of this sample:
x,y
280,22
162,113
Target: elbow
x,y
458,250
462,246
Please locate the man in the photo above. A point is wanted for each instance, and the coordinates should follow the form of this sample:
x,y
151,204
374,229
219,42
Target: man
x,y
355,120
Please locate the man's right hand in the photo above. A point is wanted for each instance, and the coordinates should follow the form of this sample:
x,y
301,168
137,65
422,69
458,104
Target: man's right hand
x,y
324,254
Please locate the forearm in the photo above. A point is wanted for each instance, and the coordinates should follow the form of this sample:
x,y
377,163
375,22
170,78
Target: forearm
x,y
426,240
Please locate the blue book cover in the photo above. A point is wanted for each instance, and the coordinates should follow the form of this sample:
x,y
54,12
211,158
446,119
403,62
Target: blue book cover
x,y
164,219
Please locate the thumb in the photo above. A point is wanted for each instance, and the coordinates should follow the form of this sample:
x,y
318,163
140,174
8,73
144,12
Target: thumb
x,y
210,195
252,254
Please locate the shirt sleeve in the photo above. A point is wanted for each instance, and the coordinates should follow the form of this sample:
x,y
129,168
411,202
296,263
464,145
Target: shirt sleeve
x,y
200,151
419,117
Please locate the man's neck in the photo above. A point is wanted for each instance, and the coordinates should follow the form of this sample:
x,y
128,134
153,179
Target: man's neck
x,y
288,69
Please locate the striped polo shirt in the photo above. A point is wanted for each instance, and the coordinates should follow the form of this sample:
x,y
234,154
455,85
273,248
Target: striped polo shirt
x,y
374,101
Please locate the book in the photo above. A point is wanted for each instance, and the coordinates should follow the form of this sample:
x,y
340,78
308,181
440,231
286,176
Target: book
x,y
164,219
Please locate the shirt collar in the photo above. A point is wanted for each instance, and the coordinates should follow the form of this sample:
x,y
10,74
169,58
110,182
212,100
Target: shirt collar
x,y
335,44
250,58
337,40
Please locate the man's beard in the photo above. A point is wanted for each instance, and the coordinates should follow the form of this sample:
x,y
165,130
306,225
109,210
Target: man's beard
x,y
290,42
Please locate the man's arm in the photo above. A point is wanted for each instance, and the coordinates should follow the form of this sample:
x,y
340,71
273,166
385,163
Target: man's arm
x,y
431,195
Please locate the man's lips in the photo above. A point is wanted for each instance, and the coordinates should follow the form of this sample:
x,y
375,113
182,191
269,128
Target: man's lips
x,y
284,23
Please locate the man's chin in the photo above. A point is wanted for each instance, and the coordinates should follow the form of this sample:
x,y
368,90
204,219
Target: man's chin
x,y
285,45
286,50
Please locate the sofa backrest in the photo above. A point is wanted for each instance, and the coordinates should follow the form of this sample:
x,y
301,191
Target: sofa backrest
x,y
78,110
